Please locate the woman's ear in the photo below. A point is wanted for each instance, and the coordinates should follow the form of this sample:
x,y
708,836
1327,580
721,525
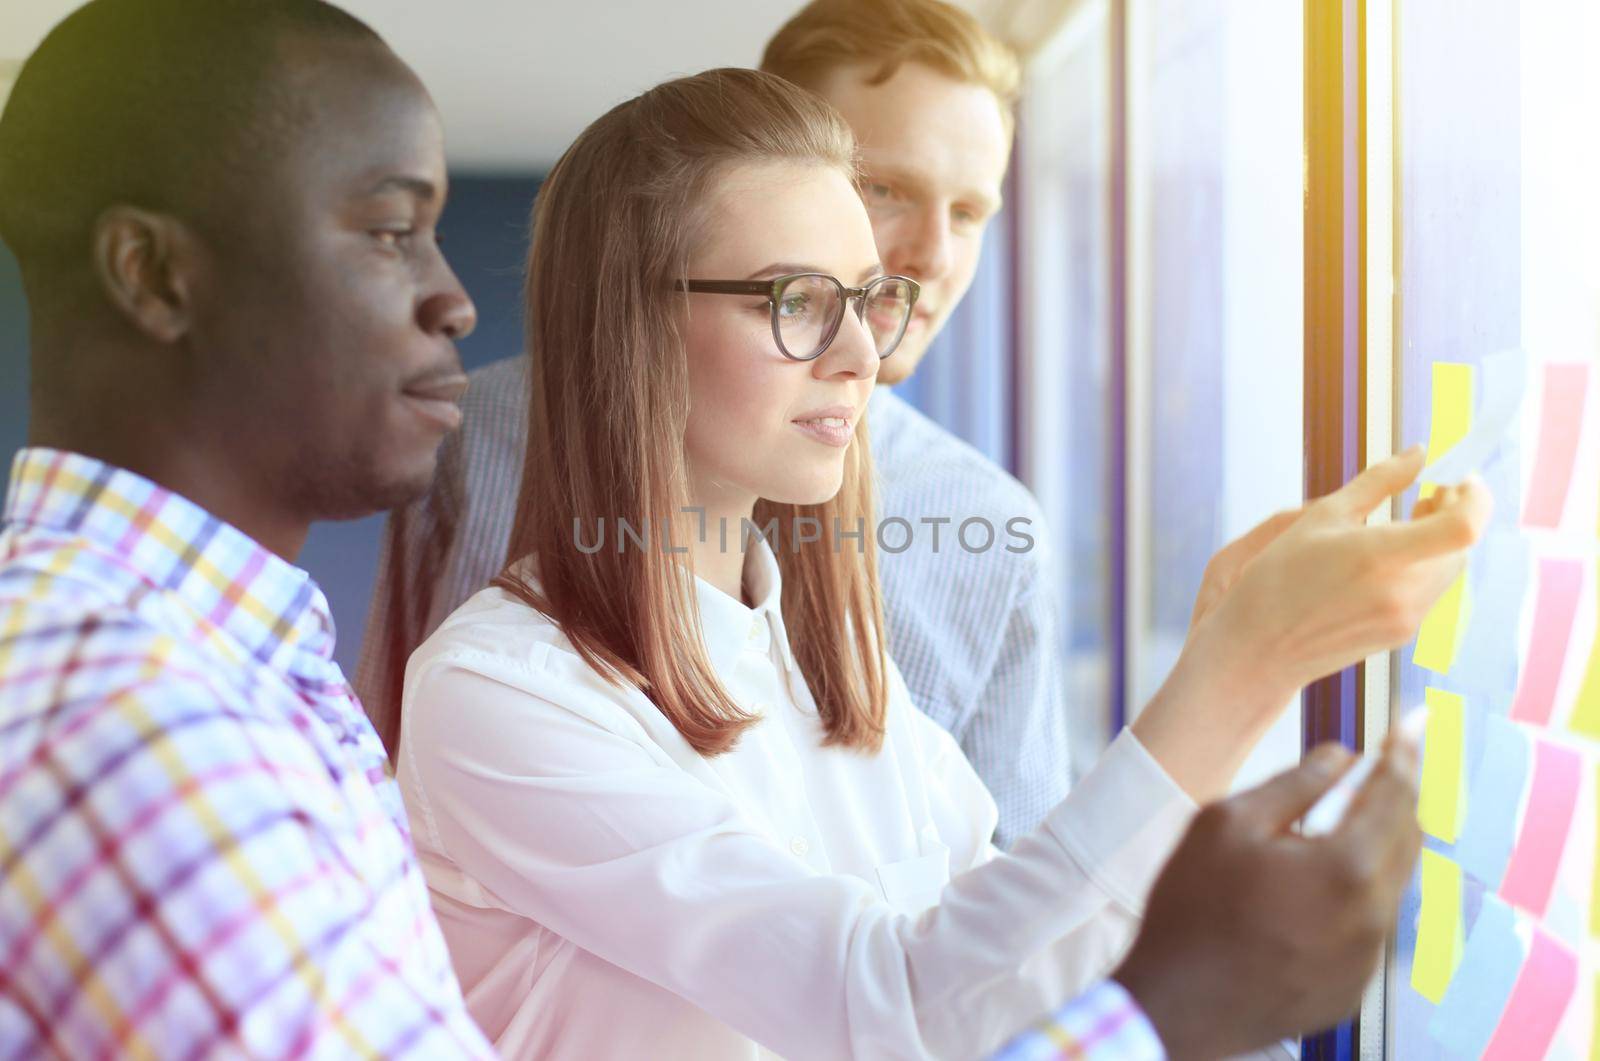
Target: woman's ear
x,y
144,263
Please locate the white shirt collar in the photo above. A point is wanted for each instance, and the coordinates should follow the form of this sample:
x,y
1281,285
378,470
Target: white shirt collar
x,y
729,627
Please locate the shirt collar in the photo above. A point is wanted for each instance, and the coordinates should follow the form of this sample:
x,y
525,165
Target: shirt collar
x,y
729,627
270,607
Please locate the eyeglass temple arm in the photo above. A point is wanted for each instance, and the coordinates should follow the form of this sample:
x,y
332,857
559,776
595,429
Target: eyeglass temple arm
x,y
727,287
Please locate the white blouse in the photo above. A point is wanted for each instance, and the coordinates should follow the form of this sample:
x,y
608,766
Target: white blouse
x,y
608,892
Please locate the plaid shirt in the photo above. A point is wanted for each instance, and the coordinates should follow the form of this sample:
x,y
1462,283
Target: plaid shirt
x,y
1102,1024
201,852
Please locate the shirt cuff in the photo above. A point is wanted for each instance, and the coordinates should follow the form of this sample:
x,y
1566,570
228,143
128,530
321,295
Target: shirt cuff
x,y
1102,1024
1123,821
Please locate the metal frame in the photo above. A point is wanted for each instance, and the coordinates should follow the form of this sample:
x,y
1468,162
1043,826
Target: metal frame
x,y
1336,342
1131,347
1381,189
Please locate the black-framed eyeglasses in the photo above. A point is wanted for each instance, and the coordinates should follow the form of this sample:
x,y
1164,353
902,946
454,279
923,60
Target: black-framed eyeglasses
x,y
807,308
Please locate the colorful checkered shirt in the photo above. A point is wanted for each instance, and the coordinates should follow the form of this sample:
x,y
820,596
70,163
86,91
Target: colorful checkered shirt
x,y
201,852
1102,1024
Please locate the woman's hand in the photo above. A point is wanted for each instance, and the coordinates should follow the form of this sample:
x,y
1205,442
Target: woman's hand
x,y
1224,568
1302,596
1328,591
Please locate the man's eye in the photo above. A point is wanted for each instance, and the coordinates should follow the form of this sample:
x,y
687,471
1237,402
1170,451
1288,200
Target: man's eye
x,y
393,237
877,192
793,305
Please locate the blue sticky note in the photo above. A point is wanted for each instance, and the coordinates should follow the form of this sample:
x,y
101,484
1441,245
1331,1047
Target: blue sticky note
x,y
1476,998
1484,846
1486,662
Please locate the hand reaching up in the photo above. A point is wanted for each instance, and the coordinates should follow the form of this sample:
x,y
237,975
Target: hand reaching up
x,y
1301,596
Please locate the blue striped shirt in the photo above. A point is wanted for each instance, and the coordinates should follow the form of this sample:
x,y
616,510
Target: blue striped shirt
x,y
969,598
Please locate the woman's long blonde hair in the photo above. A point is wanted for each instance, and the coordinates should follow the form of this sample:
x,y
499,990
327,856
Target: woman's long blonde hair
x,y
613,229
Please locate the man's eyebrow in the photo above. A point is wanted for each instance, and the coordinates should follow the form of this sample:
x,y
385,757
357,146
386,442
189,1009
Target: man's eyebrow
x,y
987,201
419,187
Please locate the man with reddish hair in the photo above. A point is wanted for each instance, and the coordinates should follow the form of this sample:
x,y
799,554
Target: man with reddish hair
x,y
929,93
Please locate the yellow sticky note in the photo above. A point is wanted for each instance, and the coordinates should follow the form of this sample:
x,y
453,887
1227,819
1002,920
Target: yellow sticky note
x,y
1439,802
1441,629
1439,933
1586,711
1585,716
1594,900
1452,411
1594,1041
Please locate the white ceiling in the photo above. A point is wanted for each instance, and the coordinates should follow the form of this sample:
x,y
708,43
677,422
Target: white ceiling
x,y
516,80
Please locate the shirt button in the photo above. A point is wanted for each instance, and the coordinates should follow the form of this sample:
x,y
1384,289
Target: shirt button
x,y
757,628
799,845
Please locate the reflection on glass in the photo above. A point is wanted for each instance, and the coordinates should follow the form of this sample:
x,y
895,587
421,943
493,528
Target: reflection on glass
x,y
1218,171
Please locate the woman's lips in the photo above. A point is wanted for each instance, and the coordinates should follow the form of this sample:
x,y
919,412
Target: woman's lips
x,y
829,430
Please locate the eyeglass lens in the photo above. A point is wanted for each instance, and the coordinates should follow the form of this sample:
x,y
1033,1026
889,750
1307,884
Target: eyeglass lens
x,y
810,309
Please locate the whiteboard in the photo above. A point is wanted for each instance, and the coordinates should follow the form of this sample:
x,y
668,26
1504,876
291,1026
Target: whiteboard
x,y
1494,246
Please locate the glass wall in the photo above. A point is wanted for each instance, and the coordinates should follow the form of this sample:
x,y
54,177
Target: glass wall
x,y
1215,299
1068,400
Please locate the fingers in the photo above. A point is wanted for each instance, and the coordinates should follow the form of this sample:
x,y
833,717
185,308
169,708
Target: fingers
x,y
1279,802
1382,819
1379,483
1453,521
1264,533
1224,568
1427,505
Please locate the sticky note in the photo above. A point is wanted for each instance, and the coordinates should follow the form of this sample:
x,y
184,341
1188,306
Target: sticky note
x,y
1594,896
1560,581
1594,1044
1560,421
1478,993
1439,800
1441,629
1552,797
1492,802
1538,1001
1439,927
1452,411
1504,377
1486,663
1586,709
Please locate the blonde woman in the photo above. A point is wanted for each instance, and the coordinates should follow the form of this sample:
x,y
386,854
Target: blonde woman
x,y
670,795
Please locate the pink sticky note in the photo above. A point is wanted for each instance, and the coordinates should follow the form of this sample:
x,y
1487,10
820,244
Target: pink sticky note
x,y
1560,419
1559,584
1551,800
1538,1002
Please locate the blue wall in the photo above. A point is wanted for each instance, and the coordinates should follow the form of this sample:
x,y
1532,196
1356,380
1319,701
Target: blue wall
x,y
13,359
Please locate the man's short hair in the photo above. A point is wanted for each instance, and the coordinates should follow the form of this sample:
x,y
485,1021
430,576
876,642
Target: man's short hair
x,y
883,35
150,103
